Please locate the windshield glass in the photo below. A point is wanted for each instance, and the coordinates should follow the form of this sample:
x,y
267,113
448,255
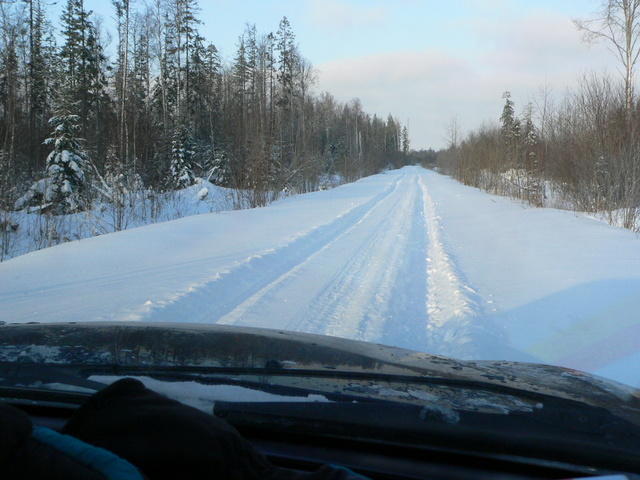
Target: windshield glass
x,y
459,180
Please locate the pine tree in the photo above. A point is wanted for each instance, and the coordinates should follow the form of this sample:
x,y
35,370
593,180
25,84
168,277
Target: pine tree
x,y
285,44
405,141
75,26
123,16
142,136
287,51
63,190
9,106
36,78
84,82
198,84
182,153
510,129
241,75
530,141
65,165
166,90
508,115
219,173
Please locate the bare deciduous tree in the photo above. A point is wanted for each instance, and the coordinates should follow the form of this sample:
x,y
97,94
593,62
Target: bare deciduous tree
x,y
453,132
618,23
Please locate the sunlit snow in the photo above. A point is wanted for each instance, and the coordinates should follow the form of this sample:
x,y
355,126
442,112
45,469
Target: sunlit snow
x,y
407,258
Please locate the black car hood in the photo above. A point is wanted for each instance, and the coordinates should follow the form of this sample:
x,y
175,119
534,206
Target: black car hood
x,y
301,354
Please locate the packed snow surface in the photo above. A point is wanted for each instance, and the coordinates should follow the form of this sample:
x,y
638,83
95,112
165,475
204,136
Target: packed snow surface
x,y
408,258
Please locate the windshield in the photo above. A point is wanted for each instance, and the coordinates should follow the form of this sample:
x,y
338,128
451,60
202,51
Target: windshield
x,y
460,180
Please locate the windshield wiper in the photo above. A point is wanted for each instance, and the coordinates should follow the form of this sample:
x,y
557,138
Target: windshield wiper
x,y
34,381
76,375
37,375
334,384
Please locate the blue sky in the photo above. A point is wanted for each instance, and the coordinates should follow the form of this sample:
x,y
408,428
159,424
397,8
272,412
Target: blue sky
x,y
424,61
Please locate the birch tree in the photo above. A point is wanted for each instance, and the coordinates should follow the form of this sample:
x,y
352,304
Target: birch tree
x,y
618,24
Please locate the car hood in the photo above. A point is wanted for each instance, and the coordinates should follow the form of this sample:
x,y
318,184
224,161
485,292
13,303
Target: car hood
x,y
315,358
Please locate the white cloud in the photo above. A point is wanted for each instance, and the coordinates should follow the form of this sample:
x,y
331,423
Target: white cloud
x,y
340,15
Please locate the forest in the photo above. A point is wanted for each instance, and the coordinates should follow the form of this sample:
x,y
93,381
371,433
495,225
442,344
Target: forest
x,y
79,126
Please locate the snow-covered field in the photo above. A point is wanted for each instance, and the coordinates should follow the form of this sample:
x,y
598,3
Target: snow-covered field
x,y
408,258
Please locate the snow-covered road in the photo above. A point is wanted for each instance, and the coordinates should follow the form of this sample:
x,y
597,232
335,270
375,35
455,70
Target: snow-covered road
x,y
407,258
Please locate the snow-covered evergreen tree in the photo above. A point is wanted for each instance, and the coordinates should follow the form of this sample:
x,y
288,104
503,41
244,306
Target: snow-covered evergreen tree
x,y
219,173
507,119
530,141
510,128
182,152
65,165
62,190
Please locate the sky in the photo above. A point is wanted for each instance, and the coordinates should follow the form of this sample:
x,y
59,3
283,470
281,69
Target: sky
x,y
426,62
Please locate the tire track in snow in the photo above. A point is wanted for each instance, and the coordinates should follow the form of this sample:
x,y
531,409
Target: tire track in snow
x,y
407,310
454,326
209,302
358,301
342,289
